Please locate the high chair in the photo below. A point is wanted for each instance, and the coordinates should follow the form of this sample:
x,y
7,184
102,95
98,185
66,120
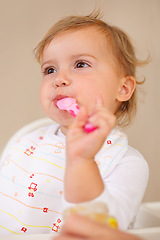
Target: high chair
x,y
147,225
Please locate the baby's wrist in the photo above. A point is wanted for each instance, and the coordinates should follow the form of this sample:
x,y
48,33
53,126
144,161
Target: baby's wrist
x,y
78,160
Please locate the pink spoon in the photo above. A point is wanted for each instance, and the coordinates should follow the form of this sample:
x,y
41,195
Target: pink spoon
x,y
70,105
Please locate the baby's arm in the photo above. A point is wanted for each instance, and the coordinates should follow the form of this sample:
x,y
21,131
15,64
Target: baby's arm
x,y
124,188
83,181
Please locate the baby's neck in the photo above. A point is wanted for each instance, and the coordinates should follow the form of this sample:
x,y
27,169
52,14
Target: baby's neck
x,y
64,130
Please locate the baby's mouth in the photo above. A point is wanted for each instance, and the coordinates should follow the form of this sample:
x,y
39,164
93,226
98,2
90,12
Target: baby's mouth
x,y
69,104
58,97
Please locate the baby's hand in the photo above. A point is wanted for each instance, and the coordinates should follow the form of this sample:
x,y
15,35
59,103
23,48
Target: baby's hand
x,y
82,172
82,145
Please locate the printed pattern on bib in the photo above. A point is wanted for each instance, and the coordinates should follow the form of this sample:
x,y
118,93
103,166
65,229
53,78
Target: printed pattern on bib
x,y
32,176
31,186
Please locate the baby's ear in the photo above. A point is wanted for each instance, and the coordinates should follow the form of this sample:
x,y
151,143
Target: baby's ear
x,y
127,88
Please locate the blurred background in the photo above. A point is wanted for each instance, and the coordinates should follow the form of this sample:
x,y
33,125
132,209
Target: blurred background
x,y
23,23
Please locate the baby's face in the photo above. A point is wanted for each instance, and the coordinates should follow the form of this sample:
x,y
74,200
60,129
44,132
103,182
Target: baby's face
x,y
77,64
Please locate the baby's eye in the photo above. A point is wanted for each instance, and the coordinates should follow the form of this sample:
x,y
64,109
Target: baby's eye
x,y
49,70
82,65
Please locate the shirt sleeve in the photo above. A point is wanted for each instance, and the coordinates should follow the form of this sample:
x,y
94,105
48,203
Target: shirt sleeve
x,y
124,188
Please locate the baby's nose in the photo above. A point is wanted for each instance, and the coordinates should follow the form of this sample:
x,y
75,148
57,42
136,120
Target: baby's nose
x,y
61,81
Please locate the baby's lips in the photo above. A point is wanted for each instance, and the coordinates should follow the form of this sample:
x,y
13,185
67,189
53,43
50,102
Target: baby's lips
x,y
57,99
55,102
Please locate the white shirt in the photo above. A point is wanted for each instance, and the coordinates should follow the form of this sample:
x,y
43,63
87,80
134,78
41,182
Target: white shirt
x,y
31,176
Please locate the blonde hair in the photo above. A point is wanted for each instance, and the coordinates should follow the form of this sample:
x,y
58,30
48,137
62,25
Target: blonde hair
x,y
121,49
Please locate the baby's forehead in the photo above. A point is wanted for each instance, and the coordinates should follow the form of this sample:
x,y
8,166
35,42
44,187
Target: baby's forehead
x,y
82,38
90,34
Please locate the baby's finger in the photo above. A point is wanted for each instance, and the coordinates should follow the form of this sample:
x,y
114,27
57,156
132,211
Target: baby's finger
x,y
103,119
81,118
